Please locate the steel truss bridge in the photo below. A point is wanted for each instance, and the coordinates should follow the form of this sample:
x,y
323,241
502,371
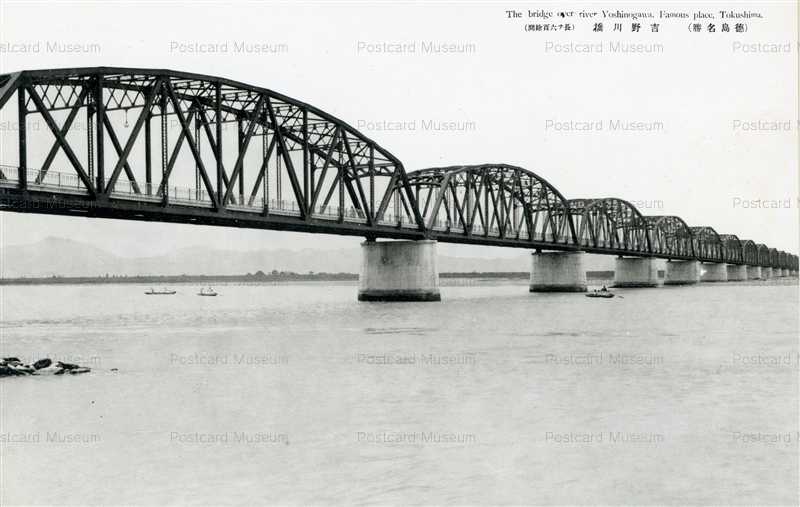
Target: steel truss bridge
x,y
160,145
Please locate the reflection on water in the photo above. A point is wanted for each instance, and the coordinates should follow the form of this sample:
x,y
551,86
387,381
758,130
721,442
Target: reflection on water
x,y
300,394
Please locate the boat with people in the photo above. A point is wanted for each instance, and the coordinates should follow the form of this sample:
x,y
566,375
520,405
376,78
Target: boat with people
x,y
162,292
602,293
207,292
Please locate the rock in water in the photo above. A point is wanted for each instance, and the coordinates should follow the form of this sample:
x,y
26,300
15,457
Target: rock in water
x,y
8,371
13,367
42,363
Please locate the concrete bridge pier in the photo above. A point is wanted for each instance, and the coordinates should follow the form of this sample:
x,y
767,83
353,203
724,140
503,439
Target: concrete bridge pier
x,y
714,272
635,272
766,273
737,272
777,273
754,272
398,271
682,273
557,272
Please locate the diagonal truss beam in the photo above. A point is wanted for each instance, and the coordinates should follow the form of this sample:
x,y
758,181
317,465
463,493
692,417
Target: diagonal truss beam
x,y
187,132
215,148
118,148
64,130
325,165
284,153
262,172
137,127
244,143
51,124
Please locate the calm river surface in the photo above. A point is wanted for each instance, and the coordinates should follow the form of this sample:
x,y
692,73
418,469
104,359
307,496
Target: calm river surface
x,y
298,394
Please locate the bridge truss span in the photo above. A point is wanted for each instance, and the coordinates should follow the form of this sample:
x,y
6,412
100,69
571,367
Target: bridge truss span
x,y
774,258
493,204
732,249
162,137
671,237
763,257
708,246
749,252
162,145
610,224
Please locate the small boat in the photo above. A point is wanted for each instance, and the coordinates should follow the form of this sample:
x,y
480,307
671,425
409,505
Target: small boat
x,y
162,292
207,292
598,294
602,293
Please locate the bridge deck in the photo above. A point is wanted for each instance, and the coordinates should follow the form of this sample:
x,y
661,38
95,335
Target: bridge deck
x,y
61,193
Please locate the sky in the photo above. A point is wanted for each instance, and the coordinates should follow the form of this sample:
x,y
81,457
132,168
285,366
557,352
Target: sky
x,y
717,113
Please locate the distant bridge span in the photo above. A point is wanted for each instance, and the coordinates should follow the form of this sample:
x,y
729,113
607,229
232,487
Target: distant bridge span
x,y
160,145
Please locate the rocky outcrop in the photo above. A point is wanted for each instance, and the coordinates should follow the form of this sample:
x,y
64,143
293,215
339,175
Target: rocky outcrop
x,y
13,367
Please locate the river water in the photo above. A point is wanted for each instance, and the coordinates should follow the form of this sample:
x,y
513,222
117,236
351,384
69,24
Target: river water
x,y
299,394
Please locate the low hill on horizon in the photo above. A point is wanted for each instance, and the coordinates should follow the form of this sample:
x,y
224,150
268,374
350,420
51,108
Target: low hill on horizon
x,y
65,257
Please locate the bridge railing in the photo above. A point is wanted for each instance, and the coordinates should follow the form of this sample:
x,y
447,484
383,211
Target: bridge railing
x,y
199,197
494,232
70,183
154,192
9,175
191,196
348,214
7,172
393,220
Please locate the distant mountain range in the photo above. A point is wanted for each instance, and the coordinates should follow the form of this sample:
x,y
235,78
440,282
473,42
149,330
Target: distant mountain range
x,y
65,257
